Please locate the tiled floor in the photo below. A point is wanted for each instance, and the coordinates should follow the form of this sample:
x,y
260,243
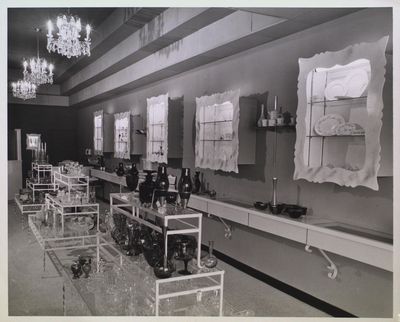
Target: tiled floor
x,y
35,292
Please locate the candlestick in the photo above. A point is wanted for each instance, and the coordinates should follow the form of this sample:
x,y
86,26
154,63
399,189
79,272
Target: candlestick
x,y
87,31
50,28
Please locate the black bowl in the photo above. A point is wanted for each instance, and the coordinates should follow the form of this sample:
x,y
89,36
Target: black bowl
x,y
294,211
260,205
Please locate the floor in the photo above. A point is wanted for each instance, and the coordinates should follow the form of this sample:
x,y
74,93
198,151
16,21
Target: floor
x,y
35,292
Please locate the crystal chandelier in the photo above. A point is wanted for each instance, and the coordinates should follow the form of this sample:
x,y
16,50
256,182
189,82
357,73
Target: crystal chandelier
x,y
23,89
68,43
40,72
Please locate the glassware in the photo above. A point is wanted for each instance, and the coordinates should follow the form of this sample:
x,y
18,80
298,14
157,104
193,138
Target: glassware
x,y
162,184
185,252
210,261
146,188
132,178
262,121
185,187
197,182
120,170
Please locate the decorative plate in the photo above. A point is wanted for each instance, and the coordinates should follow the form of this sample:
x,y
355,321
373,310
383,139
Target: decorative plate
x,y
335,88
80,224
356,82
327,124
349,129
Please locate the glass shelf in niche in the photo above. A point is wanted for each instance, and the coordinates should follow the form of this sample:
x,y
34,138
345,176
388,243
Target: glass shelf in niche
x,y
336,136
216,140
341,99
210,122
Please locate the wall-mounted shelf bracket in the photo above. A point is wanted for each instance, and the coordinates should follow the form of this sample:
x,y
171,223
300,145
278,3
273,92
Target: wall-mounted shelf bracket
x,y
228,228
332,267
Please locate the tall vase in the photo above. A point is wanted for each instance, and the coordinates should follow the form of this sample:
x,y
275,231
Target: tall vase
x,y
120,170
262,121
162,184
185,187
210,260
132,178
197,182
146,188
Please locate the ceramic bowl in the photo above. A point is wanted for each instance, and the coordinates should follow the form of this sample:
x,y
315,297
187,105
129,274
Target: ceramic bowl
x,y
260,205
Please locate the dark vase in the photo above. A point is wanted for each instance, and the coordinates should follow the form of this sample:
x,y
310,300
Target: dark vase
x,y
120,170
147,187
86,268
185,251
197,182
76,269
134,246
164,270
132,178
185,186
162,182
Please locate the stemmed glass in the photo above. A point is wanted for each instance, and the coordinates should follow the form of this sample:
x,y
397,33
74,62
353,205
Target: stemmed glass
x,y
185,252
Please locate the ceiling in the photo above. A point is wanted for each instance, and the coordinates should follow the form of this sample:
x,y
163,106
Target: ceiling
x,y
113,28
22,37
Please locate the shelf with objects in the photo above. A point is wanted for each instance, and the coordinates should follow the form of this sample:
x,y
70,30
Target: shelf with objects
x,y
339,116
164,128
75,209
72,178
171,227
223,120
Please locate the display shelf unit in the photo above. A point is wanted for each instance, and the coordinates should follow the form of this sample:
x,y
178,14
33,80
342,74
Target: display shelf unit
x,y
364,245
26,208
175,220
279,128
41,170
151,296
342,93
72,182
40,187
72,209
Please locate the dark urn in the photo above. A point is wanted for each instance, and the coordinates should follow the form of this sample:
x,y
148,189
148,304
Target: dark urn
x,y
76,269
147,187
120,170
197,182
132,178
185,186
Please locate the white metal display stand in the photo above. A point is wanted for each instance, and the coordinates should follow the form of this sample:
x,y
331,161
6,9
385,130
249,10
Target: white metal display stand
x,y
71,209
72,182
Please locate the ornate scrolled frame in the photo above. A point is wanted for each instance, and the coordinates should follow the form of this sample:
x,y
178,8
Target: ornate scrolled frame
x,y
203,161
367,176
161,99
96,114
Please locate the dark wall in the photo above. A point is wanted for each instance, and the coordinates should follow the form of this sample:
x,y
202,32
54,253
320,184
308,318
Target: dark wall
x,y
57,126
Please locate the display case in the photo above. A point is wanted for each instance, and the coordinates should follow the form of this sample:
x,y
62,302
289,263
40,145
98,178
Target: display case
x,y
339,116
222,120
72,181
164,128
103,133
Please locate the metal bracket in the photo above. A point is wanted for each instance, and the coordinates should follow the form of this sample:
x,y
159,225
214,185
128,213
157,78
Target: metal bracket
x,y
332,267
228,228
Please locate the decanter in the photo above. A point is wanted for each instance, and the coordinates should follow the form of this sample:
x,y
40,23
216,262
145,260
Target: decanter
x,y
210,260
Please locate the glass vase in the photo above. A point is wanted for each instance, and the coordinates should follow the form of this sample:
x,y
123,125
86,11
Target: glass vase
x,y
185,187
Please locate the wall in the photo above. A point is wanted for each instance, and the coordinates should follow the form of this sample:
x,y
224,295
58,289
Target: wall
x,y
273,67
57,126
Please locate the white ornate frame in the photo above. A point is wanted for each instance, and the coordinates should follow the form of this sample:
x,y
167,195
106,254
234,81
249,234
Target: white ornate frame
x,y
126,153
367,176
204,161
152,102
95,115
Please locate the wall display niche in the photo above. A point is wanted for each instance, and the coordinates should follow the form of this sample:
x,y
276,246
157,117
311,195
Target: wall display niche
x,y
103,133
32,141
122,130
218,131
339,115
164,130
